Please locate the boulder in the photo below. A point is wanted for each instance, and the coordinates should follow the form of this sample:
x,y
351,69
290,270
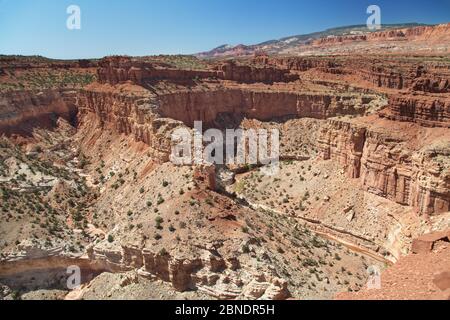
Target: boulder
x,y
442,281
425,243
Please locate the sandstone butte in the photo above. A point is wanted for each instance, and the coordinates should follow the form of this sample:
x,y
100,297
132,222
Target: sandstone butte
x,y
86,179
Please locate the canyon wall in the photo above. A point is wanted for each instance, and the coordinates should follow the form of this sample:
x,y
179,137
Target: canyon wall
x,y
428,111
206,271
298,63
408,74
388,166
21,111
432,83
412,76
262,105
33,267
152,118
250,74
114,70
379,73
29,63
344,143
129,115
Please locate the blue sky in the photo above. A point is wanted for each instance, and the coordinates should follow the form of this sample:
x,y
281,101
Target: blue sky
x,y
144,27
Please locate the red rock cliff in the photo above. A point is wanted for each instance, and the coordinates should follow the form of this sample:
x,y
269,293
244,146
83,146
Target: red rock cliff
x,y
114,70
426,110
390,165
262,105
21,111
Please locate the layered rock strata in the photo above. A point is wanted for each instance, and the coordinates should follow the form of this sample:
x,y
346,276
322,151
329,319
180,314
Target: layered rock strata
x,y
428,111
220,277
425,76
114,70
151,119
257,104
23,110
129,115
388,167
36,267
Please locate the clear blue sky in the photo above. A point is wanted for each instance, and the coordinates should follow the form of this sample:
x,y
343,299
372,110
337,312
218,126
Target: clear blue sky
x,y
144,27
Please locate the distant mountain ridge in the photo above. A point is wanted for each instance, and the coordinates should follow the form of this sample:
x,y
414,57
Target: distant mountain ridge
x,y
278,45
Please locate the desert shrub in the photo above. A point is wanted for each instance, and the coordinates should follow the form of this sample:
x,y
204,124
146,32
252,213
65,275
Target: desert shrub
x,y
308,262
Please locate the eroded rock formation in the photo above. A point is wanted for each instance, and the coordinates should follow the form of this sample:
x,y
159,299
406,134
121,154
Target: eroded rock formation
x,y
344,143
408,74
257,104
119,69
219,277
129,115
21,111
425,110
388,167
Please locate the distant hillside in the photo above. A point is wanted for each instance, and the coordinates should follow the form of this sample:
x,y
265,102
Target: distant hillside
x,y
276,46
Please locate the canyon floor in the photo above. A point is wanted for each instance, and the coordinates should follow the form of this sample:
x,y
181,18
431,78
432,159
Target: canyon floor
x,y
364,182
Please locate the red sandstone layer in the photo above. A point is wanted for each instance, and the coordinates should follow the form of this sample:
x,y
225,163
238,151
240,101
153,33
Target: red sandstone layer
x,y
21,111
114,70
402,162
428,111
